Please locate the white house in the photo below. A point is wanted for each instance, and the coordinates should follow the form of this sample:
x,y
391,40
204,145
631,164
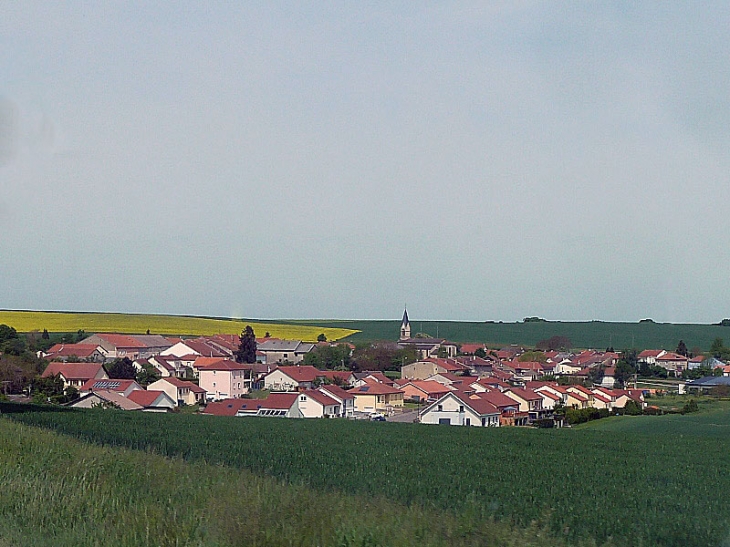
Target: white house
x,y
315,404
181,391
152,401
291,378
283,351
346,400
458,409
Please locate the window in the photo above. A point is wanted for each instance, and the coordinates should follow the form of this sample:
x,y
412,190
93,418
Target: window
x,y
444,421
440,408
468,421
461,408
303,398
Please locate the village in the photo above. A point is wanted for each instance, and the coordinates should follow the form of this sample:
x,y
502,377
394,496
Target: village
x,y
450,384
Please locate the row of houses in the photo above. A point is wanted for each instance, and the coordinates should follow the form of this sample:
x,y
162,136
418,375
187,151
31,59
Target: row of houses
x,y
104,347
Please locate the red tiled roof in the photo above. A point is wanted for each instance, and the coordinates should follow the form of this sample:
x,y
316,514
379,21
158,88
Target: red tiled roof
x,y
549,395
471,348
111,384
226,407
205,348
222,364
230,407
342,375
375,388
498,399
380,377
337,391
67,350
121,401
144,397
121,340
321,398
72,371
301,374
278,401
584,390
525,394
429,387
177,382
479,405
672,357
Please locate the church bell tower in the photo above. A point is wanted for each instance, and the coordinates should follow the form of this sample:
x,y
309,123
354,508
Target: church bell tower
x,y
405,326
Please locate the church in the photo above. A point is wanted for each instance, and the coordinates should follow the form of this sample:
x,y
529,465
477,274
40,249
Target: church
x,y
426,347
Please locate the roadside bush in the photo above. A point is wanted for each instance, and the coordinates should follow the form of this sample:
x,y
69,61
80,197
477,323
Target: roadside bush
x,y
545,423
689,407
582,415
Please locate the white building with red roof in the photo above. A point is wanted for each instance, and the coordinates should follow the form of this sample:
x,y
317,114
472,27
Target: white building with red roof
x,y
317,404
199,347
137,346
282,405
122,386
673,363
152,400
75,374
224,379
292,378
457,408
180,391
649,356
74,352
374,397
345,399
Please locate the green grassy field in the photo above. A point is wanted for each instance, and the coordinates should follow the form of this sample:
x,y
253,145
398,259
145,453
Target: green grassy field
x,y
57,491
591,334
174,325
623,481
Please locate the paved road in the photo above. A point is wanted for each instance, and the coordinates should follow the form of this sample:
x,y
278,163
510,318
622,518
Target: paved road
x,y
408,416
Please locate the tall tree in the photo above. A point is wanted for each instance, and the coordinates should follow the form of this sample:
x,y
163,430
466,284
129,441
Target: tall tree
x,y
717,348
682,348
246,352
122,369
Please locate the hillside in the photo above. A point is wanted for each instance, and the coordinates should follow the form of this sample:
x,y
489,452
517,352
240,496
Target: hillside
x,y
588,334
61,492
607,487
172,325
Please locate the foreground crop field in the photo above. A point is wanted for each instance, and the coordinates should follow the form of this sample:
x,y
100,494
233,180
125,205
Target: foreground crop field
x,y
588,334
61,492
651,487
26,321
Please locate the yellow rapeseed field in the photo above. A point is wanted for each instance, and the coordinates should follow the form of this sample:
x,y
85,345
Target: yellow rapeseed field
x,y
171,325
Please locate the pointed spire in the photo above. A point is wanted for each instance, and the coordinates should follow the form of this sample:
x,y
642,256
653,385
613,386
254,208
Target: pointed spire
x,y
405,326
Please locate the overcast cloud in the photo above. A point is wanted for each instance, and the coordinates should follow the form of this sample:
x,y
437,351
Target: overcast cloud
x,y
479,161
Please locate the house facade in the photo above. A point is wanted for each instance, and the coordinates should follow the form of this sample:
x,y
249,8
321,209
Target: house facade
x,y
225,379
180,391
458,409
374,397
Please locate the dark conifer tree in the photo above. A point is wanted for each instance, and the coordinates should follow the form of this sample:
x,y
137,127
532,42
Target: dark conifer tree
x,y
246,352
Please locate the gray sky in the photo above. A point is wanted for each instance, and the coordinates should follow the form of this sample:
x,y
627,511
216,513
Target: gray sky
x,y
479,161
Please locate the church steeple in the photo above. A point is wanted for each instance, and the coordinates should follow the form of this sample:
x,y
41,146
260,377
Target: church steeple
x,y
405,326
